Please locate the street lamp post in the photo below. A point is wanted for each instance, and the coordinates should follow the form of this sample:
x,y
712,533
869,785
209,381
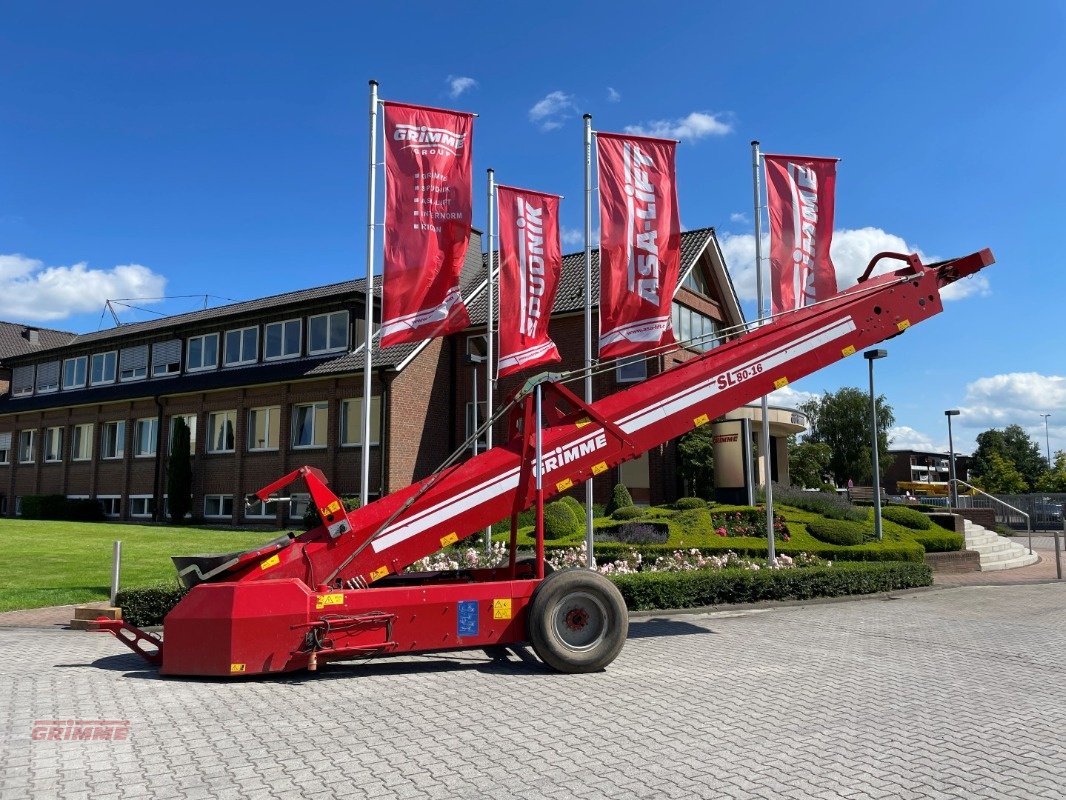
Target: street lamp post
x,y
1047,440
953,488
871,356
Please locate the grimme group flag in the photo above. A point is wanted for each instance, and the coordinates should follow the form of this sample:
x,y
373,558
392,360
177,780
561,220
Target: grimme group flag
x,y
427,221
640,242
800,194
530,262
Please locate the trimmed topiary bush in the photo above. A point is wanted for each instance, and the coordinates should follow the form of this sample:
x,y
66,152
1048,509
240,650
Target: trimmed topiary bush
x,y
559,520
628,512
575,505
837,531
656,590
690,503
620,498
907,517
148,605
939,541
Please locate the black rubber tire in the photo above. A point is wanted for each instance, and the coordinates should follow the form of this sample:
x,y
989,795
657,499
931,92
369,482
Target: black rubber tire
x,y
528,567
577,621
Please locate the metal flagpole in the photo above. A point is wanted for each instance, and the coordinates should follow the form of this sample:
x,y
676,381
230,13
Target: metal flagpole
x,y
591,561
368,315
489,332
764,445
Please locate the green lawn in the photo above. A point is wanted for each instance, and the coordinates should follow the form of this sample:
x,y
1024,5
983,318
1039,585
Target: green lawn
x,y
55,563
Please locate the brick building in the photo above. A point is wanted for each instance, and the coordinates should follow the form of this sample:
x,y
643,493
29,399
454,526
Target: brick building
x,y
271,384
923,467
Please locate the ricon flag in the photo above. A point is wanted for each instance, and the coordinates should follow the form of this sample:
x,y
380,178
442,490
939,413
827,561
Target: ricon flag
x,y
640,242
530,263
427,222
800,194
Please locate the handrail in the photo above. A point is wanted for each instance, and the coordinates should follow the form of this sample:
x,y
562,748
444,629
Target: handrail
x,y
1028,521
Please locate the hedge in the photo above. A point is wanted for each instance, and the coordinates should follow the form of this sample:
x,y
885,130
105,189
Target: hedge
x,y
620,498
149,604
607,552
666,590
907,517
628,512
939,541
837,531
559,520
689,503
59,507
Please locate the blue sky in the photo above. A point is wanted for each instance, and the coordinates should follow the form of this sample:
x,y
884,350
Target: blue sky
x,y
220,149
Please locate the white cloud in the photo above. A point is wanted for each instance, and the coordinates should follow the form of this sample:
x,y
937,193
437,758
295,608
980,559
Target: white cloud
x,y
852,251
1015,398
550,112
688,129
613,96
457,84
787,397
902,437
739,218
31,291
572,237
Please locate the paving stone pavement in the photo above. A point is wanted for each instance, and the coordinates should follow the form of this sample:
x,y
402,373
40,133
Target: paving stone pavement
x,y
951,693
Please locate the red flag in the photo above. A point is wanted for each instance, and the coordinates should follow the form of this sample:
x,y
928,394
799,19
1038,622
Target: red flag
x,y
640,242
800,193
530,263
427,222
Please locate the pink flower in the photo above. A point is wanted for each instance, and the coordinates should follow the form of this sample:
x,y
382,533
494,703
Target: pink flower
x,y
721,532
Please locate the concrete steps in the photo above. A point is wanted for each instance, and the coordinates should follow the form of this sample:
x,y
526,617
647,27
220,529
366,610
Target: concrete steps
x,y
996,552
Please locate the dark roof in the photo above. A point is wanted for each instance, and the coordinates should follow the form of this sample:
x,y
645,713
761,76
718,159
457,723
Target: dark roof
x,y
15,339
570,296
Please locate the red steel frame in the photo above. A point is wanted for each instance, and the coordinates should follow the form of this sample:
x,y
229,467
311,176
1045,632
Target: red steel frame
x,y
339,592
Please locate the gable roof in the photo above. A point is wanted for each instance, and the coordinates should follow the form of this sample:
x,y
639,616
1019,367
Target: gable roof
x,y
15,339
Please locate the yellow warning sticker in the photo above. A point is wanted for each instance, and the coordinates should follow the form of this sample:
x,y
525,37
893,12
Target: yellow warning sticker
x,y
273,561
332,507
903,324
781,383
237,668
379,573
581,423
702,419
451,538
329,600
598,469
501,608
563,485
848,351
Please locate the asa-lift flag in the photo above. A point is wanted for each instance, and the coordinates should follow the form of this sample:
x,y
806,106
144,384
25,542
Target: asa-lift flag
x,y
800,196
530,263
428,215
640,242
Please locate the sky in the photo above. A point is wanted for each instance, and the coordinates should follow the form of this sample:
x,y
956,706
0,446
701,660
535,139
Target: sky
x,y
209,152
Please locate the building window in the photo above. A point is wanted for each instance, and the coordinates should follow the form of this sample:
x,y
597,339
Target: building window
x,y
113,440
241,346
142,505
18,506
133,363
352,421
5,448
298,504
221,426
48,377
309,424
282,339
146,437
26,449
53,444
264,428
473,424
477,345
81,442
327,333
631,369
22,381
190,422
3,505
166,358
218,505
696,282
261,509
694,330
74,371
201,352
103,368
111,505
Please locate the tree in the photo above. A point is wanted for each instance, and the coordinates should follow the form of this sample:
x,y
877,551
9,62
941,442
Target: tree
x,y
1054,480
179,473
695,455
841,420
808,462
1014,445
1000,477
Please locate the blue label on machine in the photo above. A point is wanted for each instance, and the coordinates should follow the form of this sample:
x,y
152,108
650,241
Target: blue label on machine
x,y
468,615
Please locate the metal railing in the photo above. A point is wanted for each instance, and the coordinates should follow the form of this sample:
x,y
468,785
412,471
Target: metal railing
x,y
997,503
